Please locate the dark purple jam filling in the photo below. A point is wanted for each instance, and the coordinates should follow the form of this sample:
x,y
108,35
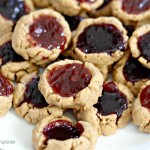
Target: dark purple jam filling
x,y
68,80
47,33
62,130
13,9
33,96
101,38
135,6
106,2
7,54
86,1
133,71
145,97
144,46
74,21
130,29
112,101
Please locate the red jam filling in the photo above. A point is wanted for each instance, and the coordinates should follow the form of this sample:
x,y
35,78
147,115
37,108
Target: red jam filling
x,y
47,33
133,71
6,88
112,101
68,80
144,46
145,97
13,9
62,130
86,1
101,38
135,6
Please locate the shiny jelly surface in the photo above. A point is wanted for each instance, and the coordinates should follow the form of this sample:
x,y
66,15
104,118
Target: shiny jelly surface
x,y
47,32
100,38
133,71
68,80
145,97
6,88
106,2
62,130
144,46
33,96
112,101
135,6
7,54
13,9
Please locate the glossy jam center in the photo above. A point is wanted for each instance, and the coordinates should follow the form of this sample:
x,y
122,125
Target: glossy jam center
x,y
13,9
145,97
33,96
47,33
106,2
102,38
6,88
62,130
7,54
133,71
135,6
86,1
144,46
68,80
112,101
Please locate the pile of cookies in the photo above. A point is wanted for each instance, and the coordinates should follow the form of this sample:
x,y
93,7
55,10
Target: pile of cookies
x,y
57,55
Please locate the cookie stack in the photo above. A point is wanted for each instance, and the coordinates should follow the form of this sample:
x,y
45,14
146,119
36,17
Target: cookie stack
x,y
60,56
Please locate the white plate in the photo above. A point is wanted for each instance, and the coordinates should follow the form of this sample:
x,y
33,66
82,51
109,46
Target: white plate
x,y
16,134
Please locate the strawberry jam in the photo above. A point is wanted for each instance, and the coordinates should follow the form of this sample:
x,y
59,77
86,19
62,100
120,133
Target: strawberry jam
x,y
68,80
135,6
13,9
144,46
6,88
46,32
112,101
62,130
145,97
101,38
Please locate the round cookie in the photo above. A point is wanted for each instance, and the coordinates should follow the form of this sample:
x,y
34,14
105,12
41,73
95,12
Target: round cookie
x,y
74,7
29,103
11,12
6,94
141,109
131,73
139,45
131,11
41,36
41,3
70,83
63,133
88,48
112,111
12,65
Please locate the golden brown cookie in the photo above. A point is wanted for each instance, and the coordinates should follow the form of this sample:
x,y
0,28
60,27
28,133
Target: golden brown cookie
x,y
70,83
74,7
41,3
131,73
29,103
139,45
41,36
112,111
63,134
141,109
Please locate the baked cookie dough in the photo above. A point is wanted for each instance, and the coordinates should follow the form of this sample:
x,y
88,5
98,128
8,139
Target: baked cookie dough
x,y
29,103
131,11
141,109
139,45
41,3
112,111
74,7
6,94
70,83
11,12
12,65
63,133
94,41
41,36
131,73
